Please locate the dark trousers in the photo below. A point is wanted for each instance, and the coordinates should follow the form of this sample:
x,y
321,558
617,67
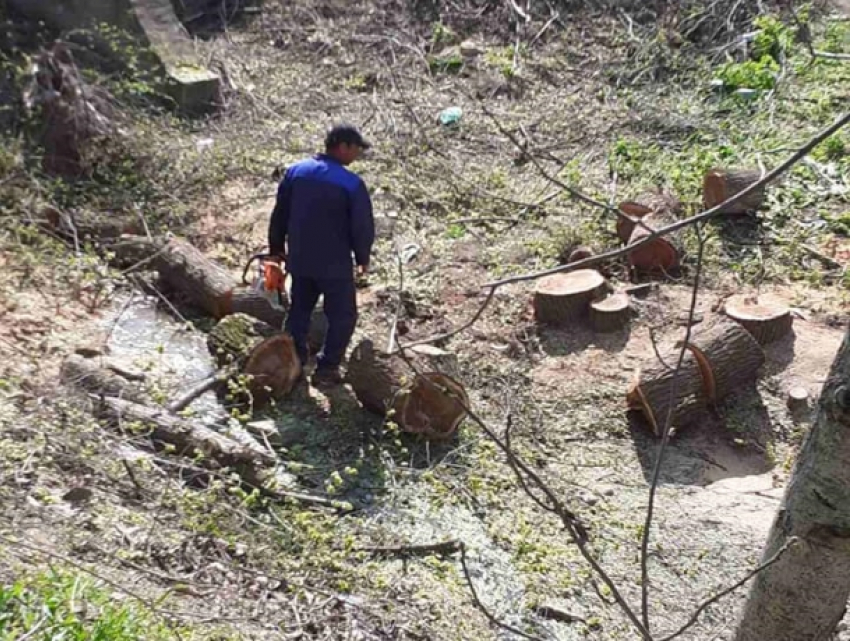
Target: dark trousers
x,y
340,307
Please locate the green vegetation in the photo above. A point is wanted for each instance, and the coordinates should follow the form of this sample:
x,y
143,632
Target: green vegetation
x,y
63,605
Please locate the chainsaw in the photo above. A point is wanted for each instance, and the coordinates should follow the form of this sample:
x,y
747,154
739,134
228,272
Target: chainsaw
x,y
269,280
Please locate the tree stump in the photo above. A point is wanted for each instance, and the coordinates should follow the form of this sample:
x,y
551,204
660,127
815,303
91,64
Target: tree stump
x,y
562,298
77,117
430,403
656,210
259,350
721,184
765,317
798,399
231,339
721,359
611,313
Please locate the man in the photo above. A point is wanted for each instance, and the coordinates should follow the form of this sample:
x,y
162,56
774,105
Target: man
x,y
322,216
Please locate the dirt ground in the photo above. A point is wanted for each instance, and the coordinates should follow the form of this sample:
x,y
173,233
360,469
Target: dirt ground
x,y
619,109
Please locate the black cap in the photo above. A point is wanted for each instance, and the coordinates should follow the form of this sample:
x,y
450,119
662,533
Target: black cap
x,y
345,133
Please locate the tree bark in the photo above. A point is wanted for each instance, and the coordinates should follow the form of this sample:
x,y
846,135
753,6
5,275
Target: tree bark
x,y
425,403
803,596
562,298
729,358
722,358
721,184
765,318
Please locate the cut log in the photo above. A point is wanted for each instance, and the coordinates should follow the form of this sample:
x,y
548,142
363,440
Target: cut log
x,y
274,368
256,349
562,298
646,205
626,221
579,253
766,318
430,403
611,313
660,255
721,184
203,282
650,392
729,357
89,375
722,359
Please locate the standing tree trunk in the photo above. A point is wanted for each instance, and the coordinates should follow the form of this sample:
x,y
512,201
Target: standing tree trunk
x,y
802,596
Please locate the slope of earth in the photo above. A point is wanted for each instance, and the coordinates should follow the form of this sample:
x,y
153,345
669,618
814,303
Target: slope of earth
x,y
613,102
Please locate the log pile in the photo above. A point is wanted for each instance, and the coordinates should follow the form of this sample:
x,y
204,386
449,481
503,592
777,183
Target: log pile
x,y
431,403
721,359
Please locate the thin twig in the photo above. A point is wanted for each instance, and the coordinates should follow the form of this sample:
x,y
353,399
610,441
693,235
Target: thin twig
x,y
711,601
493,619
665,435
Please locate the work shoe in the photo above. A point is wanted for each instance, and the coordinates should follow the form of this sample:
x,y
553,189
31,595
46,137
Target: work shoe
x,y
327,378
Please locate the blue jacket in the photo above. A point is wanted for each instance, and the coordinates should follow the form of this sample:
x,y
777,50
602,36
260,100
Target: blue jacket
x,y
324,212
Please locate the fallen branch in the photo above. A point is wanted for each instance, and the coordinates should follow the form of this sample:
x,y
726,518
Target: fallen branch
x,y
443,548
211,382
